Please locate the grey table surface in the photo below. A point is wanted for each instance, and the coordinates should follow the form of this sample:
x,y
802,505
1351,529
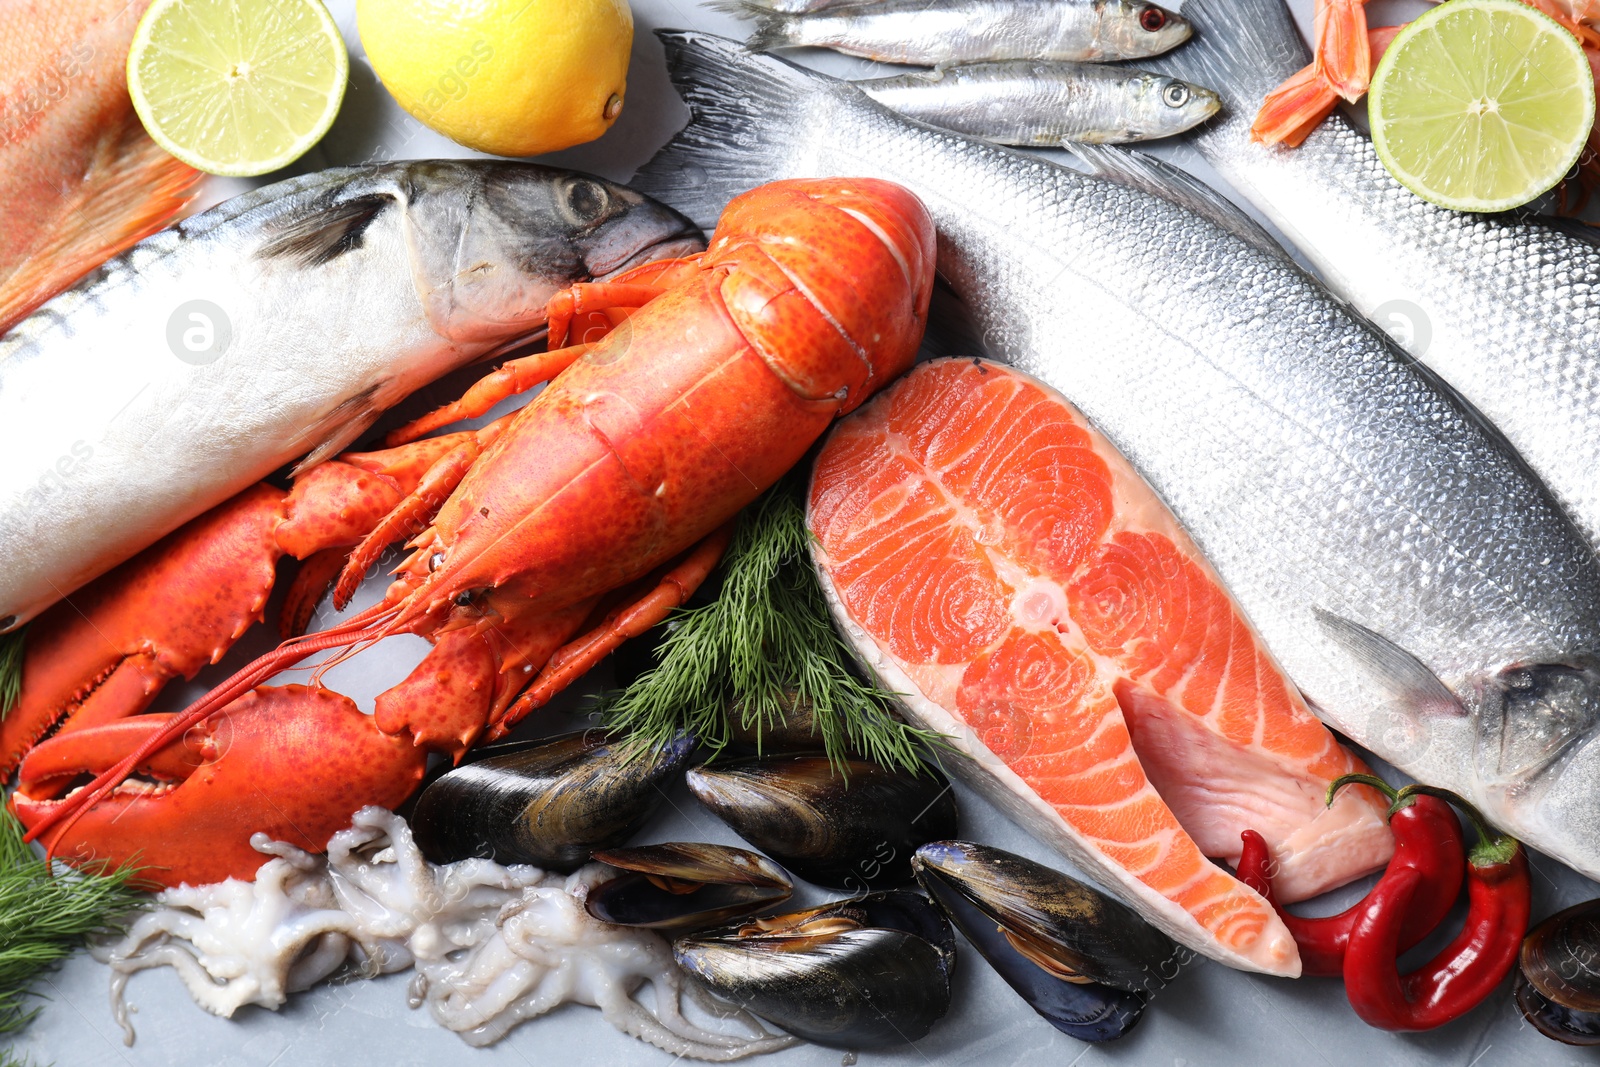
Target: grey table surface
x,y
1210,1016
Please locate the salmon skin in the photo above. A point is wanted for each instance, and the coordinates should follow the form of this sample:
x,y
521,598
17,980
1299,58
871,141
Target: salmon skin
x,y
994,560
80,180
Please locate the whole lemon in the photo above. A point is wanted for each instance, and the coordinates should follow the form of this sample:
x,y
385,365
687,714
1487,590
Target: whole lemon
x,y
510,77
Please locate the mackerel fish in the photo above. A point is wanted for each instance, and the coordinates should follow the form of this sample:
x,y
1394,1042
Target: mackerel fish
x,y
279,323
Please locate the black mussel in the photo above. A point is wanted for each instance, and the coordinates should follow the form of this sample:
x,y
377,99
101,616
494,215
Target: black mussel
x,y
853,830
872,972
1084,961
1558,987
549,804
685,886
795,729
1553,1020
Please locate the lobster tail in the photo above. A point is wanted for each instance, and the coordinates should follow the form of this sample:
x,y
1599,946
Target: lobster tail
x,y
829,337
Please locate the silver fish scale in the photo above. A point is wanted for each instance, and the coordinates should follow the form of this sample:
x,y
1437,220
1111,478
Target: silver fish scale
x,y
1316,465
1504,308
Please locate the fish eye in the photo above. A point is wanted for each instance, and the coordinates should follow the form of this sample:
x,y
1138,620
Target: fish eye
x,y
468,597
587,200
1176,94
435,561
1152,18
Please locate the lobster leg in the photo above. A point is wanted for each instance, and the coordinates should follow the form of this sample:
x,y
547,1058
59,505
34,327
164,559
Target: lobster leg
x,y
311,583
589,306
578,657
411,514
408,518
513,377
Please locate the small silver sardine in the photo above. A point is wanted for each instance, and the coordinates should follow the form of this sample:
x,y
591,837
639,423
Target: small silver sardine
x,y
1505,307
277,324
1046,104
939,33
1417,581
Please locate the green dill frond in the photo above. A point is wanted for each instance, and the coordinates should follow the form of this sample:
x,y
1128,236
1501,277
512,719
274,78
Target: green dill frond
x,y
764,645
45,917
10,670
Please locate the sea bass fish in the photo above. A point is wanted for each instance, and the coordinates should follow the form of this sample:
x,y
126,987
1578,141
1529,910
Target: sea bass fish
x,y
1505,307
942,32
1415,580
80,180
277,324
996,563
1026,102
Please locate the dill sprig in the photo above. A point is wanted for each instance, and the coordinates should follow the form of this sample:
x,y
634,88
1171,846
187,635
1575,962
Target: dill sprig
x,y
45,917
762,647
10,670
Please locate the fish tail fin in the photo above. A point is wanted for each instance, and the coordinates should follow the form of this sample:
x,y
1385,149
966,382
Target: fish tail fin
x,y
772,29
1241,49
747,112
132,189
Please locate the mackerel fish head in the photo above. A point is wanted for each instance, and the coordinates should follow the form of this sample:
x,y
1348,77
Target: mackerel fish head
x,y
487,239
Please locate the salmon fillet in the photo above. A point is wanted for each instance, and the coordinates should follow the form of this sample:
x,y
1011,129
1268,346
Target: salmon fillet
x,y
80,180
998,563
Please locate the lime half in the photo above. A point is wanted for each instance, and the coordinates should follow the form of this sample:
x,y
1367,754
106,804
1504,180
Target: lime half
x,y
237,87
1481,105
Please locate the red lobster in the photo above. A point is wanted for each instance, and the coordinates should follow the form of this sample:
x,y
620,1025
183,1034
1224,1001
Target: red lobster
x,y
539,542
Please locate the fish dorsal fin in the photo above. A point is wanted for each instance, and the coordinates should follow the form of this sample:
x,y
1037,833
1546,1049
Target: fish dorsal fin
x,y
326,232
1157,177
1397,670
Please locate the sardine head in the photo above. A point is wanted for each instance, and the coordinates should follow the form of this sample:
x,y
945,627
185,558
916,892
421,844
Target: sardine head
x,y
1159,106
1131,29
492,242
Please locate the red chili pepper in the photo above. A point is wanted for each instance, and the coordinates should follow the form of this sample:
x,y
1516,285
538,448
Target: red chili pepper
x,y
1499,898
1427,839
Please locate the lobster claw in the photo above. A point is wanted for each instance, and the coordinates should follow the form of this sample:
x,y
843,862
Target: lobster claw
x,y
291,762
105,653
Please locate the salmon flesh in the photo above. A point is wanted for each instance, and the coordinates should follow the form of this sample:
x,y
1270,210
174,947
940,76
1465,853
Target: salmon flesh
x,y
992,558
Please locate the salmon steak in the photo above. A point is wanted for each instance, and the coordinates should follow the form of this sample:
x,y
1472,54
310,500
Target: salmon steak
x,y
1000,566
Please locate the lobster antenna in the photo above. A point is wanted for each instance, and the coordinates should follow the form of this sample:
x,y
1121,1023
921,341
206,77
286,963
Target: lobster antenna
x,y
286,655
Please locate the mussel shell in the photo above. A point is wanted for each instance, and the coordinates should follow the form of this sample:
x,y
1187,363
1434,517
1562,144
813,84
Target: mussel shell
x,y
549,804
855,830
876,983
1561,957
1553,1020
710,884
1087,1011
1081,929
796,731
